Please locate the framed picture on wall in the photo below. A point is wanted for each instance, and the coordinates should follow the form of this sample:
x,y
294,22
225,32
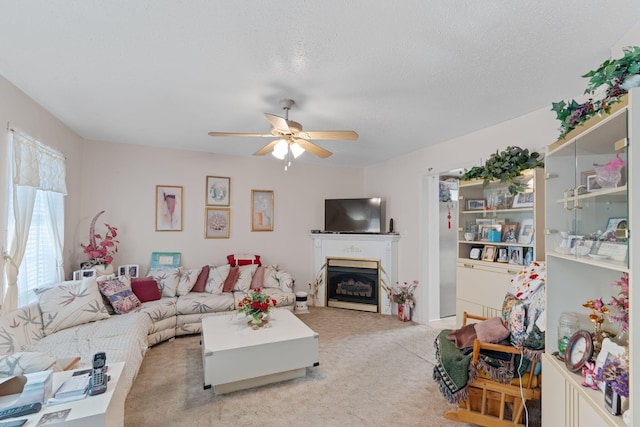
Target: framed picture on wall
x,y
168,208
217,223
218,191
261,210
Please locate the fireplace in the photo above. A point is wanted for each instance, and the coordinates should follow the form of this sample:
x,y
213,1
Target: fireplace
x,y
353,283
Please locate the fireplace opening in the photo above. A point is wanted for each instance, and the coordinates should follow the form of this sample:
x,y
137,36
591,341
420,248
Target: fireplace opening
x,y
353,284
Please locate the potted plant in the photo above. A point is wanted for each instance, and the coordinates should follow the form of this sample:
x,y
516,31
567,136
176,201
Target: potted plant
x,y
100,249
505,166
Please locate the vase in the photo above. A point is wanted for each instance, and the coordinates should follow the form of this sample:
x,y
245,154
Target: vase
x,y
404,312
258,320
104,269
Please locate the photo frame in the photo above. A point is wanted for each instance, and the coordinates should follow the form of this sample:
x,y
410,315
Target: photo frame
x,y
525,237
608,351
588,180
615,223
509,233
483,230
489,253
131,270
475,252
523,200
218,191
490,221
476,204
168,208
217,223
516,255
262,208
81,274
165,259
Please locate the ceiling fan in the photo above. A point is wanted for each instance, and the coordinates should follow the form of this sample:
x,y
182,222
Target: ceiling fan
x,y
291,139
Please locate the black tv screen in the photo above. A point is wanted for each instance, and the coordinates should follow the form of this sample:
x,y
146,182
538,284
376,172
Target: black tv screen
x,y
354,215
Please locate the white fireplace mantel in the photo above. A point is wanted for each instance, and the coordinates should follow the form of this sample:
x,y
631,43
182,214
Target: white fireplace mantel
x,y
379,247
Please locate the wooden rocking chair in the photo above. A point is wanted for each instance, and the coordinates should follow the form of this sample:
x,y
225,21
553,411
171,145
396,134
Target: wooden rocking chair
x,y
491,403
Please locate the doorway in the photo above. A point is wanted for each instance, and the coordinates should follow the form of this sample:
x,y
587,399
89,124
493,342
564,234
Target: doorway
x,y
448,241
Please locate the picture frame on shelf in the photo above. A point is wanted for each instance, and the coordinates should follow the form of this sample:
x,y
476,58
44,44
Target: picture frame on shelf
x,y
165,259
217,223
588,180
476,204
516,255
81,274
608,352
475,252
484,230
525,236
490,221
615,251
262,208
218,191
168,208
509,233
489,253
615,223
523,200
131,270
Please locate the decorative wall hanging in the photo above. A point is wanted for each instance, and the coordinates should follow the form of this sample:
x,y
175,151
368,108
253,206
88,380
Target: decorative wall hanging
x,y
168,208
218,191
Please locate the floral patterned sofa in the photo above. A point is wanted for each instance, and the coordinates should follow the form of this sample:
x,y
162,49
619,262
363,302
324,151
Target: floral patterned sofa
x,y
123,317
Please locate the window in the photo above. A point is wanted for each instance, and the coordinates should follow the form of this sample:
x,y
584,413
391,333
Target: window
x,y
39,264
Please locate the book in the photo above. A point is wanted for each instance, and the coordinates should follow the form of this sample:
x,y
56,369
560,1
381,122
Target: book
x,y
74,386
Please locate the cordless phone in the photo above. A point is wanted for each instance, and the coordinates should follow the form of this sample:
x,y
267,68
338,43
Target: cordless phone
x,y
98,383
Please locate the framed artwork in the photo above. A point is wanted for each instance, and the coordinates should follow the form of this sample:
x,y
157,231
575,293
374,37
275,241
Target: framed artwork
x,y
516,255
608,352
616,223
475,252
523,200
218,191
261,210
130,270
81,274
476,204
588,180
165,259
490,221
217,223
489,253
168,208
485,228
509,233
526,232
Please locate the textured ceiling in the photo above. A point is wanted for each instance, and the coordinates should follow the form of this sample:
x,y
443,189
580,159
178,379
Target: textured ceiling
x,y
403,74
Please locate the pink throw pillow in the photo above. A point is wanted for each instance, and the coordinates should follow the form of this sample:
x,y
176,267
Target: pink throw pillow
x,y
464,336
239,259
201,281
491,330
257,281
145,288
232,278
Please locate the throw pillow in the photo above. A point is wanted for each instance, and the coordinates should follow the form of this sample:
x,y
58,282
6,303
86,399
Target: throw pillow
x,y
258,278
528,280
464,336
514,317
270,277
26,362
242,259
232,278
167,279
217,276
70,304
146,289
187,280
118,291
201,281
245,276
491,330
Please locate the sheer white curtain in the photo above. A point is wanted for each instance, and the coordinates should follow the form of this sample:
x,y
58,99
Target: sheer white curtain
x,y
33,167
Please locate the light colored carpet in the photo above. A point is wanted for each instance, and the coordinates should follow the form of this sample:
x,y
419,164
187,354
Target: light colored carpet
x,y
374,371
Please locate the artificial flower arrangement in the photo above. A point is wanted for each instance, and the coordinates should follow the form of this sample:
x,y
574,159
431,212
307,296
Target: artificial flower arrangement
x,y
616,373
100,249
401,293
256,305
621,303
614,77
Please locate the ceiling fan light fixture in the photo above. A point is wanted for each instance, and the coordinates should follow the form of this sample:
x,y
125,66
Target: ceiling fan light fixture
x,y
296,149
280,149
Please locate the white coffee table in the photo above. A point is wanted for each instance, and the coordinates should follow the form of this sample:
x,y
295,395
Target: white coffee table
x,y
236,357
106,409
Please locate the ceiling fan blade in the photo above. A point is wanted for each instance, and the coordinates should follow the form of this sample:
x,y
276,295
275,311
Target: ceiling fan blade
x,y
263,135
313,148
267,148
347,135
277,122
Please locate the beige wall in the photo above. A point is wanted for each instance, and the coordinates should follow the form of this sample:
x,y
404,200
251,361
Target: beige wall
x,y
121,179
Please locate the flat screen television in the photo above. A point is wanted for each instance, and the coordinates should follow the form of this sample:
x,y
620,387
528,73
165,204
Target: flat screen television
x,y
354,215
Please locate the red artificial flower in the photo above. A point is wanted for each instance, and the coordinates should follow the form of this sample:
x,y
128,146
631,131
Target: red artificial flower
x,y
255,304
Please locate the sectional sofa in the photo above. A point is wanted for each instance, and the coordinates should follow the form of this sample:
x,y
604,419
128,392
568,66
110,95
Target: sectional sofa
x,y
124,316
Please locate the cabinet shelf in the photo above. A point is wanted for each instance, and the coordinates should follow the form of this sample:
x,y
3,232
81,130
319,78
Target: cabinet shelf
x,y
620,266
484,242
616,194
594,397
486,212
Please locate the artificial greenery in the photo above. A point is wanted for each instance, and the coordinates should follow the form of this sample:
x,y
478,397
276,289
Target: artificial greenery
x,y
504,166
619,75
